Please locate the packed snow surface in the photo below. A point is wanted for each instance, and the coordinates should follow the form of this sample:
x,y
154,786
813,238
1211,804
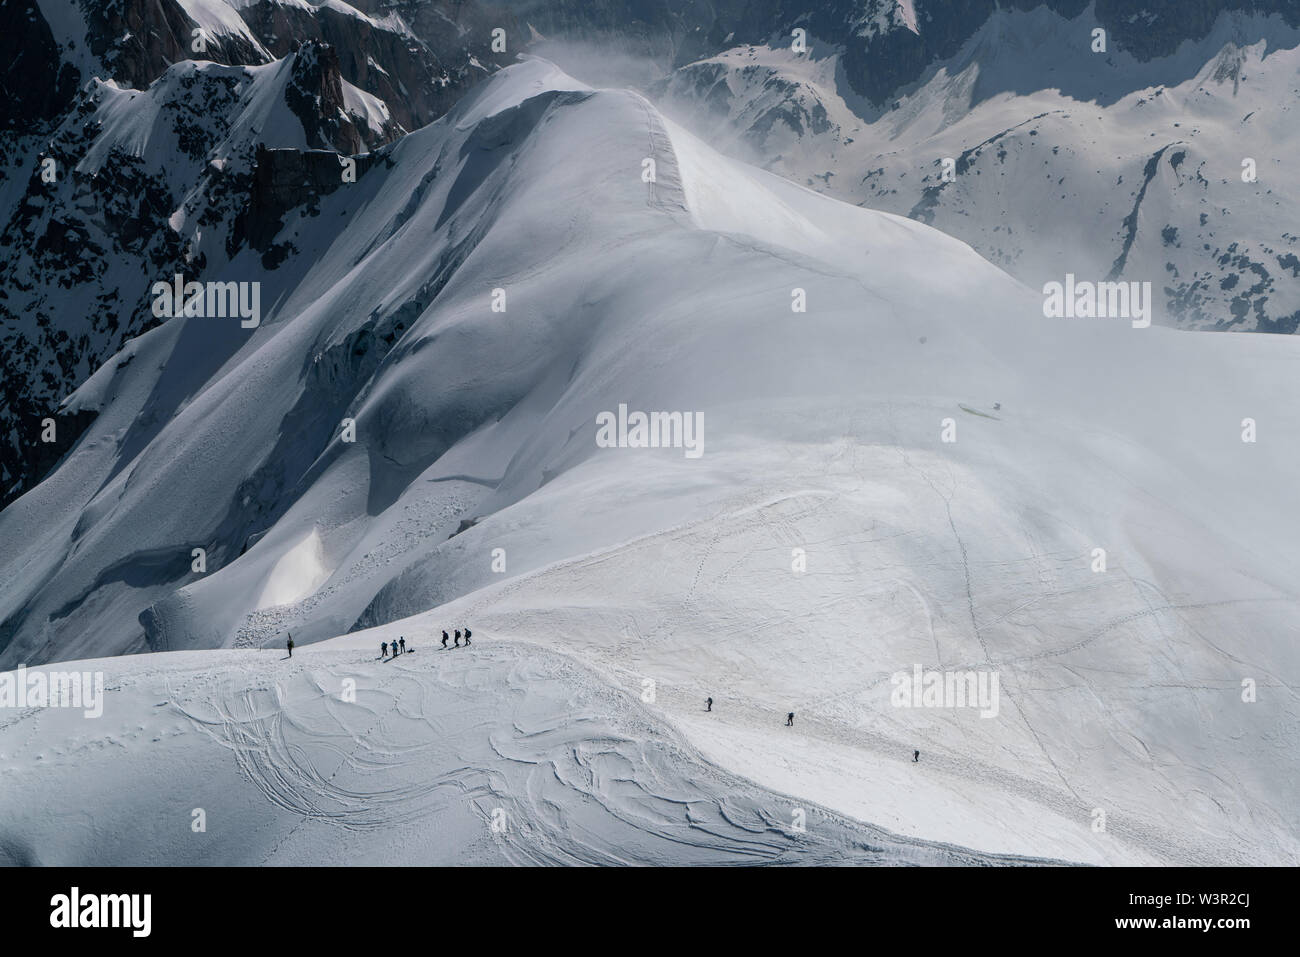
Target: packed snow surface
x,y
827,539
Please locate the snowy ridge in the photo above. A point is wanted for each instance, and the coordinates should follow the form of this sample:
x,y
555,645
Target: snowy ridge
x,y
217,17
476,429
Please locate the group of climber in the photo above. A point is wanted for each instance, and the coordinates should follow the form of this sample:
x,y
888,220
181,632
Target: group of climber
x,y
444,638
398,647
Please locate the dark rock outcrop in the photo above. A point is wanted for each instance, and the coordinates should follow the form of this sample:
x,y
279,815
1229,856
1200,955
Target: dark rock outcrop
x,y
315,95
136,40
35,85
285,179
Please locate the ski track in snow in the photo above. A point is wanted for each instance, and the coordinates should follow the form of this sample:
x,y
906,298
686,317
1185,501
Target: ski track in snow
x,y
582,771
750,713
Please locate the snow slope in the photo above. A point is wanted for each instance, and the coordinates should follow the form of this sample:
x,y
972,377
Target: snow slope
x,y
151,183
432,750
477,494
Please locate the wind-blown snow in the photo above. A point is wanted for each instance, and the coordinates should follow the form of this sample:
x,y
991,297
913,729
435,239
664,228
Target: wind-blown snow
x,y
366,105
217,17
476,495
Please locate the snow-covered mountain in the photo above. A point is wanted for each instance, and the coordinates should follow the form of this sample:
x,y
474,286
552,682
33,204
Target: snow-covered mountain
x,y
137,157
894,461
1163,158
973,117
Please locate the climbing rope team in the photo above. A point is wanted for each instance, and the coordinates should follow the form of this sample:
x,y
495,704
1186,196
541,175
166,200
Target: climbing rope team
x,y
391,649
399,648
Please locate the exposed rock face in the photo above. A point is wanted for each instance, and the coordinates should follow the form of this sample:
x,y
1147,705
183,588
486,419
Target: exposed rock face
x,y
883,54
886,44
458,36
419,58
315,94
30,52
78,254
382,62
136,40
284,179
63,309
